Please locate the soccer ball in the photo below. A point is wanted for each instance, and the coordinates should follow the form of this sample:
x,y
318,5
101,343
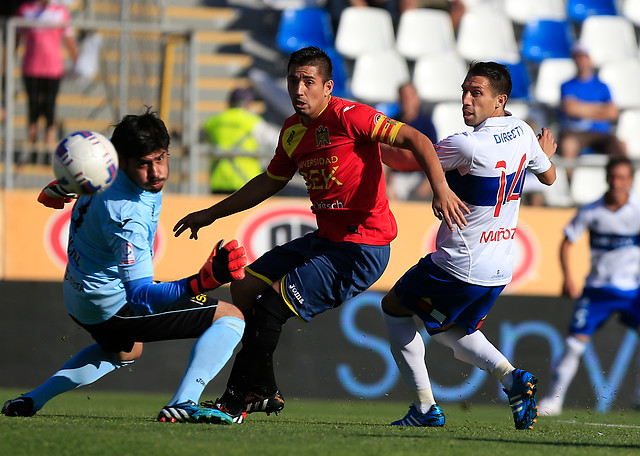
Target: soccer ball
x,y
85,163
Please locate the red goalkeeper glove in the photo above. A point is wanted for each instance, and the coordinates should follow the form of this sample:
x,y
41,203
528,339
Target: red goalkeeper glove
x,y
53,195
225,264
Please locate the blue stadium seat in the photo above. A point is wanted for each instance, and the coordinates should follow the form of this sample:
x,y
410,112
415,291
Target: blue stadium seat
x,y
579,10
340,73
544,39
519,79
303,27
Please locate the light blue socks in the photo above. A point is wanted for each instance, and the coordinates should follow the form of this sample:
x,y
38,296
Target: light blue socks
x,y
87,366
209,354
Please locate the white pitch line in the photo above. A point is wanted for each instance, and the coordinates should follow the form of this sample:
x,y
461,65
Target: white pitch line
x,y
601,424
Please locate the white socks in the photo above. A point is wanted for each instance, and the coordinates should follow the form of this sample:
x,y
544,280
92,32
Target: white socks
x,y
566,368
408,351
476,350
407,348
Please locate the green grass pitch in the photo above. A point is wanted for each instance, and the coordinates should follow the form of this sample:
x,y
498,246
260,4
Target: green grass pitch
x,y
88,422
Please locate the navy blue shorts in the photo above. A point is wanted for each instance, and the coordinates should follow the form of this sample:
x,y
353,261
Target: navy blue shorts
x,y
596,305
186,320
318,275
439,299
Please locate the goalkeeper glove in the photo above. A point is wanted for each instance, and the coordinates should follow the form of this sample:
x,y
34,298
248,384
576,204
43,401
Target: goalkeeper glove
x,y
55,196
225,264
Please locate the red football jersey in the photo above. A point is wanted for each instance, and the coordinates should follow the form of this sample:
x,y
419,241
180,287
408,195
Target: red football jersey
x,y
338,155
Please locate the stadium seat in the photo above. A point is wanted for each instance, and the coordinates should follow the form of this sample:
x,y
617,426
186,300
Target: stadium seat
x,y
447,118
546,39
364,29
558,194
485,34
588,183
281,5
623,79
472,5
609,38
631,10
626,130
523,11
519,108
439,77
377,76
519,80
551,74
425,31
299,28
579,10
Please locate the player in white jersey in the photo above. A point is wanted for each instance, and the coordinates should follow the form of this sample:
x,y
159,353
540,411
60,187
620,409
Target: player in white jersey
x,y
613,284
452,289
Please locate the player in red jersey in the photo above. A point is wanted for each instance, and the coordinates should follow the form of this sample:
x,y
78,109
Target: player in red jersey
x,y
335,145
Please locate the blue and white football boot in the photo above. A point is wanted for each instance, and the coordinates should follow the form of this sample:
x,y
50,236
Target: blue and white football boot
x,y
522,399
433,418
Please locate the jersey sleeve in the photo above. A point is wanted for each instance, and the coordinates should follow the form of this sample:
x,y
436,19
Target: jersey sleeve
x,y
281,166
577,225
456,152
367,123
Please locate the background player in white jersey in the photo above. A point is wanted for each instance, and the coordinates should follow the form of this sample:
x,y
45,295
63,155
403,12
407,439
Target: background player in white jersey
x,y
452,289
109,288
613,284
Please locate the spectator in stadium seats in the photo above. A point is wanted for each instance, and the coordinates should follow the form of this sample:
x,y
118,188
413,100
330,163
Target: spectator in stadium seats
x,y
613,284
109,288
335,145
8,9
239,131
453,289
587,112
43,65
411,185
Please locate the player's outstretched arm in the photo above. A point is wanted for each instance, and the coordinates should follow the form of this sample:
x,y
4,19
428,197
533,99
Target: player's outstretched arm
x,y
251,194
55,196
569,288
225,264
446,204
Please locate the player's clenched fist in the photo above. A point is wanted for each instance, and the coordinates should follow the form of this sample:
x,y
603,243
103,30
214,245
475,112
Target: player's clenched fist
x,y
225,264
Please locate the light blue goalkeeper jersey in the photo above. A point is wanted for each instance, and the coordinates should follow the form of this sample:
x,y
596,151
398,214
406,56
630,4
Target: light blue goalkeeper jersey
x,y
111,239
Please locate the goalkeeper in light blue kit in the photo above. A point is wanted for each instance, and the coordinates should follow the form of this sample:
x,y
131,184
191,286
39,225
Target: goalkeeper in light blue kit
x,y
109,288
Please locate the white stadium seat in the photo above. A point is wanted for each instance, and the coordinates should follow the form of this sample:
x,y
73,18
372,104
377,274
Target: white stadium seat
x,y
551,74
447,118
588,183
523,11
425,31
364,29
631,10
623,79
627,130
485,34
377,76
609,38
439,77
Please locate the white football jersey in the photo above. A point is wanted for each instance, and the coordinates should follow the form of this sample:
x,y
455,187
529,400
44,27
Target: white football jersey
x,y
486,169
614,240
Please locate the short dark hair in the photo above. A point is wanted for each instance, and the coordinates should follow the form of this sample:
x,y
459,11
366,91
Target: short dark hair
x,y
619,160
313,56
498,75
138,135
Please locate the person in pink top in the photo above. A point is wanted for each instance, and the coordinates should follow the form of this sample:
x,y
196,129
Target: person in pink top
x,y
43,64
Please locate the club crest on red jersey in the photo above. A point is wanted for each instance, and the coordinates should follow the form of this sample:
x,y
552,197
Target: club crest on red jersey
x,y
322,136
